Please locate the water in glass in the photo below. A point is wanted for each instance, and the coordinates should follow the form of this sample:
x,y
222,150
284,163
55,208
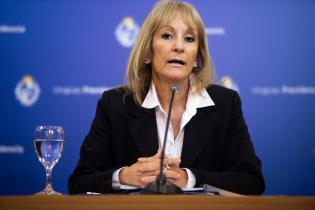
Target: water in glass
x,y
48,142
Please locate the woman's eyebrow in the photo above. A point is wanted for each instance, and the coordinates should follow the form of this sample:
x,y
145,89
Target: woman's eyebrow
x,y
189,30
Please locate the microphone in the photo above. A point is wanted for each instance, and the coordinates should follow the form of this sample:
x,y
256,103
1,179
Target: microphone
x,y
161,185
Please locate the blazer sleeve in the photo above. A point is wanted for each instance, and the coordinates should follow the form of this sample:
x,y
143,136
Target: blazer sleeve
x,y
241,168
94,169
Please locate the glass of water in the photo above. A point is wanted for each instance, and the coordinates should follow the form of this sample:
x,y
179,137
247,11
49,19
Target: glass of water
x,y
48,142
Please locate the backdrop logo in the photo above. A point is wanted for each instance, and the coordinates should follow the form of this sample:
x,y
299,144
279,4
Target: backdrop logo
x,y
215,31
127,31
27,91
15,29
228,82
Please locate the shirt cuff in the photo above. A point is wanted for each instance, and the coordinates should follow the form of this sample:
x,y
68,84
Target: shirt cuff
x,y
191,181
115,179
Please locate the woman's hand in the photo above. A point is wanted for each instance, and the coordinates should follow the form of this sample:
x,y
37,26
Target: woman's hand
x,y
145,170
176,175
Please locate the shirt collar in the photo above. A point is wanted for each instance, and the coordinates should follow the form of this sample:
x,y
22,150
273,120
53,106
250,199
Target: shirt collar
x,y
195,99
151,100
198,99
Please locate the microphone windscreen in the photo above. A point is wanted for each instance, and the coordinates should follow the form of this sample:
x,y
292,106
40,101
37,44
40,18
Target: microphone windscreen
x,y
175,88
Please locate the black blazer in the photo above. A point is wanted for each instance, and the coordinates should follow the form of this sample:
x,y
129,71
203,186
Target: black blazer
x,y
217,147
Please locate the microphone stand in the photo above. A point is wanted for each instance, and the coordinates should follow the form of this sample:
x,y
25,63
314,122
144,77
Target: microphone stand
x,y
161,185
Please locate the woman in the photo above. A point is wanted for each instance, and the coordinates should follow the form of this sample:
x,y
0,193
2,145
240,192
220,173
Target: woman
x,y
208,140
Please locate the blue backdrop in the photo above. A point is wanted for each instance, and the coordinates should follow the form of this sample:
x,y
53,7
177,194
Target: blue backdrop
x,y
56,57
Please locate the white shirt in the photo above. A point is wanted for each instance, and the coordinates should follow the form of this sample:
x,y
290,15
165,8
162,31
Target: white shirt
x,y
173,145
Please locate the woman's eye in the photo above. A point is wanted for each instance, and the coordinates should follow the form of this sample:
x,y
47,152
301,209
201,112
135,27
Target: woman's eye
x,y
166,36
189,39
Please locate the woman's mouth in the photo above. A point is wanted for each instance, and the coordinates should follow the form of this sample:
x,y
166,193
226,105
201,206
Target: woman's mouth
x,y
176,62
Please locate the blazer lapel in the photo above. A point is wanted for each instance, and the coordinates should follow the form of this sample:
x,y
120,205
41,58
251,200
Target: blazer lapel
x,y
197,133
144,131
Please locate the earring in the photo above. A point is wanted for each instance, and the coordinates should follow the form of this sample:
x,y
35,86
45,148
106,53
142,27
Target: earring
x,y
195,65
147,61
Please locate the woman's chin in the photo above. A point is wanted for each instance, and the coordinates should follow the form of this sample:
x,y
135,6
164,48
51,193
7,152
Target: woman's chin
x,y
177,78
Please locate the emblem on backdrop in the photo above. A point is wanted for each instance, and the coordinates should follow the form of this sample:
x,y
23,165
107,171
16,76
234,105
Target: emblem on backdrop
x,y
27,91
126,32
228,82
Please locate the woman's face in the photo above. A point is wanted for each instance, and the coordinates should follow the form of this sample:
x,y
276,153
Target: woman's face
x,y
175,48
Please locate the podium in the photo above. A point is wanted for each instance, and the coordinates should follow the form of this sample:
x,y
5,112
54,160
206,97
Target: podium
x,y
156,202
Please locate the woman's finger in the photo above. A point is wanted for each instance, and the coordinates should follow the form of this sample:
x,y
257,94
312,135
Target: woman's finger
x,y
147,179
171,174
149,166
148,159
150,173
172,161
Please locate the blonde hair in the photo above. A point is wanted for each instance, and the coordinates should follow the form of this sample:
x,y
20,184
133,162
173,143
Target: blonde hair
x,y
138,73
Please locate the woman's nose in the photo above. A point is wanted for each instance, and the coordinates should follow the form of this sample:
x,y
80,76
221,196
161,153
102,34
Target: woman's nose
x,y
178,45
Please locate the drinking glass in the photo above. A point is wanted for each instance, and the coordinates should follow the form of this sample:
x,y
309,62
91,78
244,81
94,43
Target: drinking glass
x,y
48,142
